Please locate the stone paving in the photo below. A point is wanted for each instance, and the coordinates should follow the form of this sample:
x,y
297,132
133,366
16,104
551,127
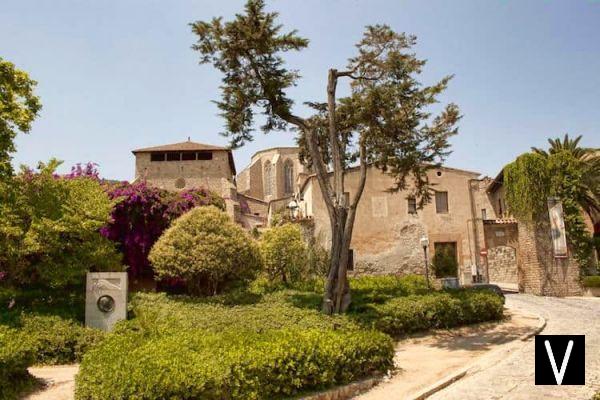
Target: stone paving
x,y
513,377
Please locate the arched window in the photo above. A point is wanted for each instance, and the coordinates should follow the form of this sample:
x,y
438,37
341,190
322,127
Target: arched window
x,y
288,177
268,179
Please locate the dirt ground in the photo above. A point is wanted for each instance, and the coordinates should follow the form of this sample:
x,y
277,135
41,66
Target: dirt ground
x,y
60,382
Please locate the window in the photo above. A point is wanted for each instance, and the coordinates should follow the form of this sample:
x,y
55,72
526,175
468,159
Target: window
x,y
188,156
412,205
500,212
157,156
268,183
441,202
288,177
205,155
483,213
174,156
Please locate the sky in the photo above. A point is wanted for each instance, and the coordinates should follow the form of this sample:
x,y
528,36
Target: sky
x,y
116,75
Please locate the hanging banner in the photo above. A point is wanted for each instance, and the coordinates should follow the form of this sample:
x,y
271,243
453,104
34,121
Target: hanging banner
x,y
557,227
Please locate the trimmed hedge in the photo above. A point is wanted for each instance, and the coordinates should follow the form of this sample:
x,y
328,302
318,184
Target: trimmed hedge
x,y
157,313
591,281
16,354
264,344
367,290
207,350
56,340
436,310
194,364
51,320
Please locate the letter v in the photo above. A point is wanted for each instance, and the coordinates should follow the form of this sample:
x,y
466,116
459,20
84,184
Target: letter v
x,y
559,375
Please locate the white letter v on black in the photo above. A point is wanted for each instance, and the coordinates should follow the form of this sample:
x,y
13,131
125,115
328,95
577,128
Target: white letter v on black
x,y
559,375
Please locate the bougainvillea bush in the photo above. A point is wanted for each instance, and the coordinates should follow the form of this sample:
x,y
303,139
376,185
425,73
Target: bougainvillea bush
x,y
141,215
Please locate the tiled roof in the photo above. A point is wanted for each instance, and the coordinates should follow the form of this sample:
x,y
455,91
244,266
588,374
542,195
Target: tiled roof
x,y
183,146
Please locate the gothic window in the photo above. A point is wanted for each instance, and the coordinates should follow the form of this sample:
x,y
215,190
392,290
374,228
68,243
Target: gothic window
x,y
288,176
268,179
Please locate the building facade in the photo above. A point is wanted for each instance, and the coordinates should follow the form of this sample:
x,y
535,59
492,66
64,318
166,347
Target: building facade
x,y
466,219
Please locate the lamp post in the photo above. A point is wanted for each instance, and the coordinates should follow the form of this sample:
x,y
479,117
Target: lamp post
x,y
425,244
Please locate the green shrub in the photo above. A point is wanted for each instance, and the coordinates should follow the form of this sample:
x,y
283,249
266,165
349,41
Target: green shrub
x,y
366,290
56,340
413,313
235,364
158,313
200,348
591,281
66,302
16,354
284,253
49,229
206,249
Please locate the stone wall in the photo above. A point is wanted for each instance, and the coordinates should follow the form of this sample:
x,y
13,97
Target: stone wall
x,y
540,272
501,241
252,178
502,265
386,237
179,175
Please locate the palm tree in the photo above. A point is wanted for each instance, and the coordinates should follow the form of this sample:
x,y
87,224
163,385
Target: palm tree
x,y
590,161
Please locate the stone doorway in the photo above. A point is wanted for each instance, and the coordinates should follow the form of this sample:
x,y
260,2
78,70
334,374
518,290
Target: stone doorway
x,y
501,239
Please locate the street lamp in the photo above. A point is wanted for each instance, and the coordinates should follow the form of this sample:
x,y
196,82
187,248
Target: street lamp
x,y
425,244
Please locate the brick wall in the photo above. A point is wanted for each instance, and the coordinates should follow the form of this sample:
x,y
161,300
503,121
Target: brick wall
x,y
539,272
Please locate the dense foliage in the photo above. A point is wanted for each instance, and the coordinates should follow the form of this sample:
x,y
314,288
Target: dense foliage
x,y
267,342
408,314
52,321
270,349
284,253
533,178
207,249
444,262
141,215
18,108
16,354
49,228
591,281
40,326
229,365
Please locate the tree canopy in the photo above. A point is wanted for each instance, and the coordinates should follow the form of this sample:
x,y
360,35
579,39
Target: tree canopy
x,y
18,108
384,122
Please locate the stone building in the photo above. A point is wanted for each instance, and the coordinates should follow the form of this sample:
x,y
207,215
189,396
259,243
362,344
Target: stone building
x,y
520,253
270,181
389,226
187,165
466,218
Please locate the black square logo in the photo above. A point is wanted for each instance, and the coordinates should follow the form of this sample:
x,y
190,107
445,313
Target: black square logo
x,y
560,360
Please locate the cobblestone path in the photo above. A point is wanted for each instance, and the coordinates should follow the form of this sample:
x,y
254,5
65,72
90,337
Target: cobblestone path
x,y
513,377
